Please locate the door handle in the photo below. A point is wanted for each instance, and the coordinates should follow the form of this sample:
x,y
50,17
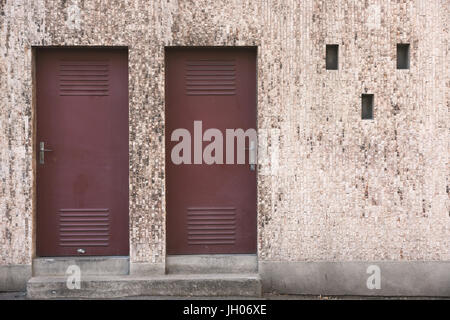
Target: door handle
x,y
42,152
252,155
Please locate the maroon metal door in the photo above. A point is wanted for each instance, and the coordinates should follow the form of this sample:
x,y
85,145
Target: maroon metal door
x,y
211,208
82,183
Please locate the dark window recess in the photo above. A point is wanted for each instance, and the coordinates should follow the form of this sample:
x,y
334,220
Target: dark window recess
x,y
332,54
367,106
402,55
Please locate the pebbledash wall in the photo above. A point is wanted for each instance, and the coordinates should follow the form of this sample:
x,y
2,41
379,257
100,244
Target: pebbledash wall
x,y
348,193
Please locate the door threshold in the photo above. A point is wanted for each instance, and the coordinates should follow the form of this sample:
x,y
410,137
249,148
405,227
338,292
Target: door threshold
x,y
212,263
91,265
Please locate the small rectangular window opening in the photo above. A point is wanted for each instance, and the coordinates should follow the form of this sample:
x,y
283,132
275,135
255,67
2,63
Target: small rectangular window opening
x,y
402,55
367,107
332,54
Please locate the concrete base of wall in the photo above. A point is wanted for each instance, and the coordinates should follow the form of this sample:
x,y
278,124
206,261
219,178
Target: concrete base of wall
x,y
412,278
147,269
14,277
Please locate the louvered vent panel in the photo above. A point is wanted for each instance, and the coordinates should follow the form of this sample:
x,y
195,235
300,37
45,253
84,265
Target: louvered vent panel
x,y
210,77
211,226
84,227
83,78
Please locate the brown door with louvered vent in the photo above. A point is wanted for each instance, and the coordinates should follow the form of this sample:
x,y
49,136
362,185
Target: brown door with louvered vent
x,y
82,151
211,208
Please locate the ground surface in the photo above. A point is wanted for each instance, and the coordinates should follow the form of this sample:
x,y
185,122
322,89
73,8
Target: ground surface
x,y
22,296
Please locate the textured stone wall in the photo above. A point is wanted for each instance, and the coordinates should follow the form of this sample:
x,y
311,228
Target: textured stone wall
x,y
345,189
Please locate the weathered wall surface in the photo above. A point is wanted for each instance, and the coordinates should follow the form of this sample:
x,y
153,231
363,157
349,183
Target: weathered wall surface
x,y
345,189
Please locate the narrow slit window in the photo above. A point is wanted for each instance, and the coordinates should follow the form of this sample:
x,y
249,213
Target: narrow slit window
x,y
403,56
332,55
367,106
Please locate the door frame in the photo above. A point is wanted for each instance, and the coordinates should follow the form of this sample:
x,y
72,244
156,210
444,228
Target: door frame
x,y
34,125
256,49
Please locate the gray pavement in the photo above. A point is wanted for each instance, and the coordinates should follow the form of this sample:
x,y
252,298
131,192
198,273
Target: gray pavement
x,y
22,296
